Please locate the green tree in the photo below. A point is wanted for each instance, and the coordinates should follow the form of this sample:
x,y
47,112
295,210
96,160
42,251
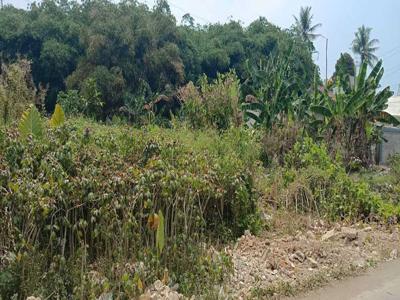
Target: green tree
x,y
345,69
304,25
364,46
349,116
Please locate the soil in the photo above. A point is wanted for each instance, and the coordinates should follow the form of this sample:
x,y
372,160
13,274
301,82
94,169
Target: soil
x,y
286,261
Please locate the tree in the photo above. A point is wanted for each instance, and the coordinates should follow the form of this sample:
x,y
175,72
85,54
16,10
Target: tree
x,y
364,46
350,116
344,69
304,26
187,20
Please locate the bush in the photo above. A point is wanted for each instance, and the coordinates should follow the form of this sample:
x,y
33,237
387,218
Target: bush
x,y
214,105
311,181
280,140
78,206
17,91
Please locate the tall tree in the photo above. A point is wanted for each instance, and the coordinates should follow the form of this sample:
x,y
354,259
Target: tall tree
x,y
364,46
304,26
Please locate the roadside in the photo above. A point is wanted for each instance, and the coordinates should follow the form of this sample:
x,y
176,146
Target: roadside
x,y
297,255
300,254
382,283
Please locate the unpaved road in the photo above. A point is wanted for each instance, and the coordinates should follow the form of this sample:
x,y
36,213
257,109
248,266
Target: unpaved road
x,y
382,283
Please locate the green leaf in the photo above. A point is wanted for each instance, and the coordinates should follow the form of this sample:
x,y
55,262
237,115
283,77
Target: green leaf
x,y
58,117
31,123
385,117
322,110
160,235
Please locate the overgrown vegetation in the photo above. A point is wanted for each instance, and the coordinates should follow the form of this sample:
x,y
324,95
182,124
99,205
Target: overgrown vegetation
x,y
165,139
82,197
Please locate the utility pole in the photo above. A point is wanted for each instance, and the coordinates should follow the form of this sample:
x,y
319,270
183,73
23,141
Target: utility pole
x,y
326,58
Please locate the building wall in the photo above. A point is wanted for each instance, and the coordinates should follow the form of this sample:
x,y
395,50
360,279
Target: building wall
x,y
392,146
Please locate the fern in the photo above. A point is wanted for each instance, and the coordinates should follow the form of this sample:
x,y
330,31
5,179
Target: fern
x,y
31,123
58,117
160,235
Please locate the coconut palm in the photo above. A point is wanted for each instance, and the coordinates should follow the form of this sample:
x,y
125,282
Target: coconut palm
x,y
364,46
304,25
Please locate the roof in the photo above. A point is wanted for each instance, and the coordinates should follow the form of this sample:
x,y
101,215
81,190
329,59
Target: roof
x,y
394,106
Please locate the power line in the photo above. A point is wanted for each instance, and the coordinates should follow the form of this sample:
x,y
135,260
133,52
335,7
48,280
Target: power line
x,y
391,51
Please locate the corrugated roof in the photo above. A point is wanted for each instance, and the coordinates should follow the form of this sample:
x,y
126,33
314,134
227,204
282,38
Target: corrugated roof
x,y
394,106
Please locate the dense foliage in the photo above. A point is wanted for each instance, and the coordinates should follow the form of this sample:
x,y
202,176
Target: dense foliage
x,y
132,52
80,200
311,181
228,118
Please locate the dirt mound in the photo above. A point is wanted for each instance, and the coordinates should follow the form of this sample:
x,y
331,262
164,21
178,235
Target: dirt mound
x,y
275,263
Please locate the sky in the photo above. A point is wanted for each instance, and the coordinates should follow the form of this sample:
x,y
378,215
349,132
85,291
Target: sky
x,y
339,18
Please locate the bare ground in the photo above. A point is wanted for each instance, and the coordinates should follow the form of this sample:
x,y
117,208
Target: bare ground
x,y
298,254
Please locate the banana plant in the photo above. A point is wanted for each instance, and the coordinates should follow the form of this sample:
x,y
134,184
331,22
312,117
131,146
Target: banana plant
x,y
273,84
349,114
361,102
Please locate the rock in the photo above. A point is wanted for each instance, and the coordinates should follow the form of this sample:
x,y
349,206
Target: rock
x,y
297,256
173,296
33,298
158,285
313,262
106,296
247,233
367,229
300,256
394,254
329,235
350,234
360,263
266,217
160,291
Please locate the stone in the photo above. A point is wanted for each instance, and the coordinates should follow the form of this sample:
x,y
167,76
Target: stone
x,y
350,234
33,298
394,254
158,285
106,296
300,256
173,296
313,262
297,256
329,235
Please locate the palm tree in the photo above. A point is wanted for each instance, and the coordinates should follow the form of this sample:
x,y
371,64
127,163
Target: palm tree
x,y
364,46
304,25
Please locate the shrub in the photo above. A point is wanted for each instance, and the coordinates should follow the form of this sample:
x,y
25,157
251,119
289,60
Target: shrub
x,y
280,140
311,181
214,104
78,206
17,91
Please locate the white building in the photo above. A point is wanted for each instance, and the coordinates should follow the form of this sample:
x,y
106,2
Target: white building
x,y
390,134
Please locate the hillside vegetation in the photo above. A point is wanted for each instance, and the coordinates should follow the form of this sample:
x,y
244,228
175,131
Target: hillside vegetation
x,y
133,149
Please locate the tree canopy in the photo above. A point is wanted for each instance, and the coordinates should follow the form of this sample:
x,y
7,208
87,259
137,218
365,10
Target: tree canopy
x,y
133,52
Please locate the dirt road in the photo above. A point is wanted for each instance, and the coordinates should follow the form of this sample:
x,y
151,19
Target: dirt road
x,y
382,283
